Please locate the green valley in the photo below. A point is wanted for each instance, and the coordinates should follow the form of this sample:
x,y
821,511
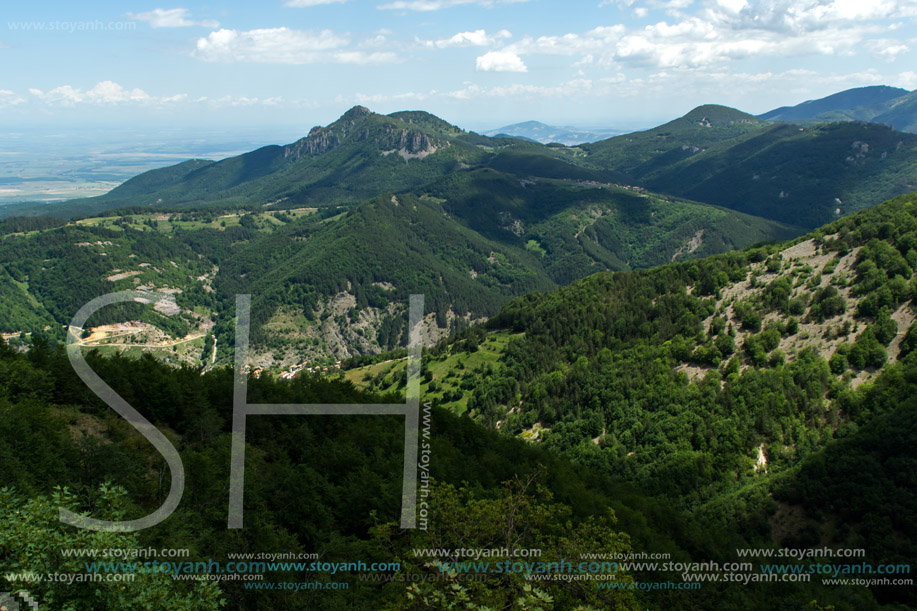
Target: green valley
x,y
332,280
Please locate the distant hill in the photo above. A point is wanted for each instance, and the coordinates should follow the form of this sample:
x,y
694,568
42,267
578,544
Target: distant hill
x,y
640,153
790,173
713,154
890,106
546,134
900,113
842,102
354,158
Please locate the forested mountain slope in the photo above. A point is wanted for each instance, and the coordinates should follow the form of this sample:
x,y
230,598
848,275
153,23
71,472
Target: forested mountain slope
x,y
329,486
359,156
746,400
333,282
730,386
800,175
841,104
880,104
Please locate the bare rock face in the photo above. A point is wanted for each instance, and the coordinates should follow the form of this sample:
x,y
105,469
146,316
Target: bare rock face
x,y
356,125
414,142
319,140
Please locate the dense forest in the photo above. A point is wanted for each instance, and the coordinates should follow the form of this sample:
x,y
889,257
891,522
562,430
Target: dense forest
x,y
730,387
461,244
329,485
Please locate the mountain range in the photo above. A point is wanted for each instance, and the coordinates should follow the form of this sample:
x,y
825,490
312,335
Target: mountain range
x,y
890,106
804,175
337,228
546,134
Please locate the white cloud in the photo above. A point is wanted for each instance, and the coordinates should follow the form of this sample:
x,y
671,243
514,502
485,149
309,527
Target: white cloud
x,y
500,61
887,49
171,18
229,100
382,38
598,40
798,16
104,93
576,87
618,78
436,5
109,92
673,7
905,80
722,31
379,40
242,101
733,6
477,38
753,92
381,98
749,91
9,98
307,3
283,46
728,30
181,97
359,57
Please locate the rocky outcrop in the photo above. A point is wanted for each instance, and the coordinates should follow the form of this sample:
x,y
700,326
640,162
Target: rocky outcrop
x,y
357,126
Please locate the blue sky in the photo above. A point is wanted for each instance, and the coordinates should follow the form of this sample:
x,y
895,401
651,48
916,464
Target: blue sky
x,y
477,63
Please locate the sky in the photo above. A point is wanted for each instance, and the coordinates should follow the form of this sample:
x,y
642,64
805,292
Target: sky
x,y
286,65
